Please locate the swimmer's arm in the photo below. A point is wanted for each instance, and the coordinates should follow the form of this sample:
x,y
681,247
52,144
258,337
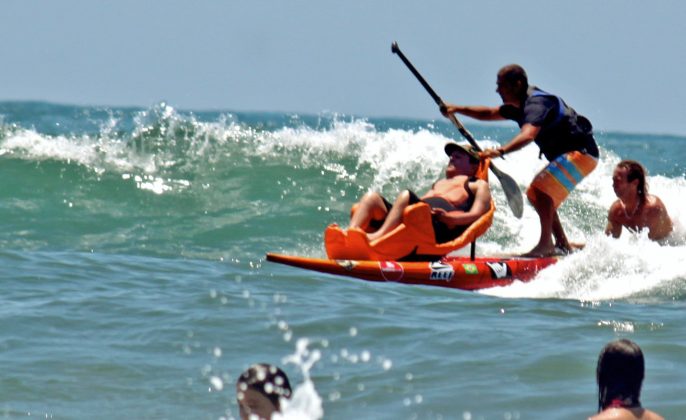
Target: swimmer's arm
x,y
659,223
614,230
614,227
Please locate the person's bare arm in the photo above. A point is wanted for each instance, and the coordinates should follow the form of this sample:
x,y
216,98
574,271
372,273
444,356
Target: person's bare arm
x,y
525,136
482,202
659,223
613,227
478,112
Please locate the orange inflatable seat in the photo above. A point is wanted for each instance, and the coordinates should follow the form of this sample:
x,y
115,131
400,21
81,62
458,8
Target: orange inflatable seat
x,y
411,240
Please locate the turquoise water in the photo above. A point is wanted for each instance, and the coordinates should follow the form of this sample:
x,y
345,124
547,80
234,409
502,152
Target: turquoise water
x,y
132,247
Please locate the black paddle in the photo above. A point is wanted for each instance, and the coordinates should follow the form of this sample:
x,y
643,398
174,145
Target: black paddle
x,y
512,191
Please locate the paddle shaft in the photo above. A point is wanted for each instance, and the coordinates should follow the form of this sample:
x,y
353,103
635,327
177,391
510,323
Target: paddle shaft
x,y
396,50
510,187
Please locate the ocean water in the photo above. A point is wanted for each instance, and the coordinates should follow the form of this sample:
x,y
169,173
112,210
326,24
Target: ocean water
x,y
132,247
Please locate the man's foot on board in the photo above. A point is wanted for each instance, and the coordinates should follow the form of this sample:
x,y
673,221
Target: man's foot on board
x,y
540,252
576,246
555,251
571,248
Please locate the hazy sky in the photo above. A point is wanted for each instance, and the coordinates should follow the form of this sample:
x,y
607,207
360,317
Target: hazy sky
x,y
619,62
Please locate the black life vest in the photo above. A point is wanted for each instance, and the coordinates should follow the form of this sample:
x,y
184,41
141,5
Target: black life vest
x,y
565,132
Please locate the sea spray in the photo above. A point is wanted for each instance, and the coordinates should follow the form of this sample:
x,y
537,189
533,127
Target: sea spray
x,y
305,402
132,251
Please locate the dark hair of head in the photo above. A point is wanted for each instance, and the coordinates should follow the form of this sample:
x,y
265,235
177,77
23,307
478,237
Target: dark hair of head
x,y
268,380
636,171
513,73
620,373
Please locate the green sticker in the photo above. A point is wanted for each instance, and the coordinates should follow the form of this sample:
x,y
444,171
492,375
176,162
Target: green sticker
x,y
470,269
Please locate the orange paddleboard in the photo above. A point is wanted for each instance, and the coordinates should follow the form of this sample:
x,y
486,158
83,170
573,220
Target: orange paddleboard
x,y
458,272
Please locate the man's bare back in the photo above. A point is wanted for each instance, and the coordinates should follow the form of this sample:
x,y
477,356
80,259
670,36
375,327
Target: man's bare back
x,y
638,413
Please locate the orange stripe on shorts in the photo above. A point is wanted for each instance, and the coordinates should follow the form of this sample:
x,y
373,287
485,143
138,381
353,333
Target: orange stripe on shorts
x,y
562,175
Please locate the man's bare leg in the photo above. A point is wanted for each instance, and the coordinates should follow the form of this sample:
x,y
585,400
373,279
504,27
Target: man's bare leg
x,y
370,207
559,234
543,205
561,240
394,217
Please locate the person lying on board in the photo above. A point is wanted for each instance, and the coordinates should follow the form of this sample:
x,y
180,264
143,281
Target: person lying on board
x,y
259,391
564,138
619,373
635,209
456,201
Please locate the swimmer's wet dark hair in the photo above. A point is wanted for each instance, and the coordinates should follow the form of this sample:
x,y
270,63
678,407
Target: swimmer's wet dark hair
x,y
268,380
619,373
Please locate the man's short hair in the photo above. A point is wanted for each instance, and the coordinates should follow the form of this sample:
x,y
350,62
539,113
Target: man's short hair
x,y
513,73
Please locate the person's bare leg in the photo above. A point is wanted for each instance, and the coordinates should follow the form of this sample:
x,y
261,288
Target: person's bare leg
x,y
394,217
543,205
370,207
560,237
559,234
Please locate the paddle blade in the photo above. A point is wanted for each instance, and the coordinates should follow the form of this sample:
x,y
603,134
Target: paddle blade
x,y
512,192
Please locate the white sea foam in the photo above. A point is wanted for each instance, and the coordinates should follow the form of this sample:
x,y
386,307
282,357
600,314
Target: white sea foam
x,y
305,404
108,151
393,159
629,267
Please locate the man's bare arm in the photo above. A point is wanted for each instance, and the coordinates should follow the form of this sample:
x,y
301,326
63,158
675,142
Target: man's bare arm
x,y
478,112
482,202
613,227
659,223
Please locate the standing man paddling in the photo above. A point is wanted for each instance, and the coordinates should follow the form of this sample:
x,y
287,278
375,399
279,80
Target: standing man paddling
x,y
564,138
